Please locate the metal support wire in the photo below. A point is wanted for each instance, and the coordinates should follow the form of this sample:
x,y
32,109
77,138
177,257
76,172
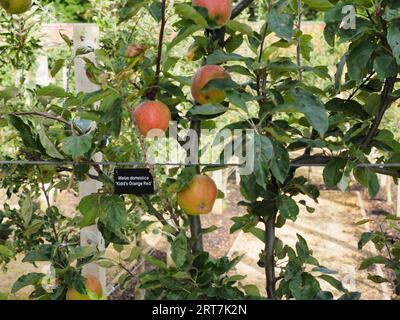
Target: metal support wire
x,y
171,164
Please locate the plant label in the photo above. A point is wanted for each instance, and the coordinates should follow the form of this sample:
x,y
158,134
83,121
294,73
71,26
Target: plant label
x,y
133,181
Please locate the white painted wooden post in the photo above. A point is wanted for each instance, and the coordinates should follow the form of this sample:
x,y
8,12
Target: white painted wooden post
x,y
88,35
42,71
42,79
389,191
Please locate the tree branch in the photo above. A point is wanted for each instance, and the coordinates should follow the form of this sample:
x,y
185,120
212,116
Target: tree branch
x,y
43,115
384,105
195,221
240,7
298,49
269,251
152,92
322,161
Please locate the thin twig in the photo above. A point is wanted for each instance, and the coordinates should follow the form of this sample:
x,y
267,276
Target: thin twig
x,y
298,49
384,105
152,91
240,7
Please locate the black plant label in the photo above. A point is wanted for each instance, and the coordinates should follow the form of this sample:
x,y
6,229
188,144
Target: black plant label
x,y
133,181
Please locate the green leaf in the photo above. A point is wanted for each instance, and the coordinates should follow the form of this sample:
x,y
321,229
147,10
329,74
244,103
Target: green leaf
x,y
8,93
26,210
208,109
364,239
41,253
237,99
4,251
77,146
391,13
359,57
83,50
280,163
113,115
50,148
351,296
239,27
287,207
252,290
53,91
258,233
184,178
66,39
106,264
155,262
385,66
324,295
363,221
324,270
319,5
82,252
312,108
220,84
183,34
304,287
179,250
394,39
29,279
373,184
366,263
302,248
58,64
155,10
377,279
113,212
334,171
24,130
339,72
189,12
89,208
263,153
219,57
281,24
306,46
333,282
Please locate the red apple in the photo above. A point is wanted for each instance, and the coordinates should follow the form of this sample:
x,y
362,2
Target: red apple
x,y
199,196
151,115
92,285
201,78
218,10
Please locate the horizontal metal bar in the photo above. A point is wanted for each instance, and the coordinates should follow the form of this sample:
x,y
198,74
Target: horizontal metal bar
x,y
106,163
171,164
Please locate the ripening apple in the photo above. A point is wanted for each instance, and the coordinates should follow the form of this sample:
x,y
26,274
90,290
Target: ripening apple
x,y
151,115
202,77
199,196
92,286
219,11
16,6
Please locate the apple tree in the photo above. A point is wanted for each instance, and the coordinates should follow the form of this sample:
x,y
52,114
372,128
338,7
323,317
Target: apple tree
x,y
266,79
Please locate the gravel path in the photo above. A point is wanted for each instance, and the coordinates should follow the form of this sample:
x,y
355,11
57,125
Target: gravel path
x,y
332,235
